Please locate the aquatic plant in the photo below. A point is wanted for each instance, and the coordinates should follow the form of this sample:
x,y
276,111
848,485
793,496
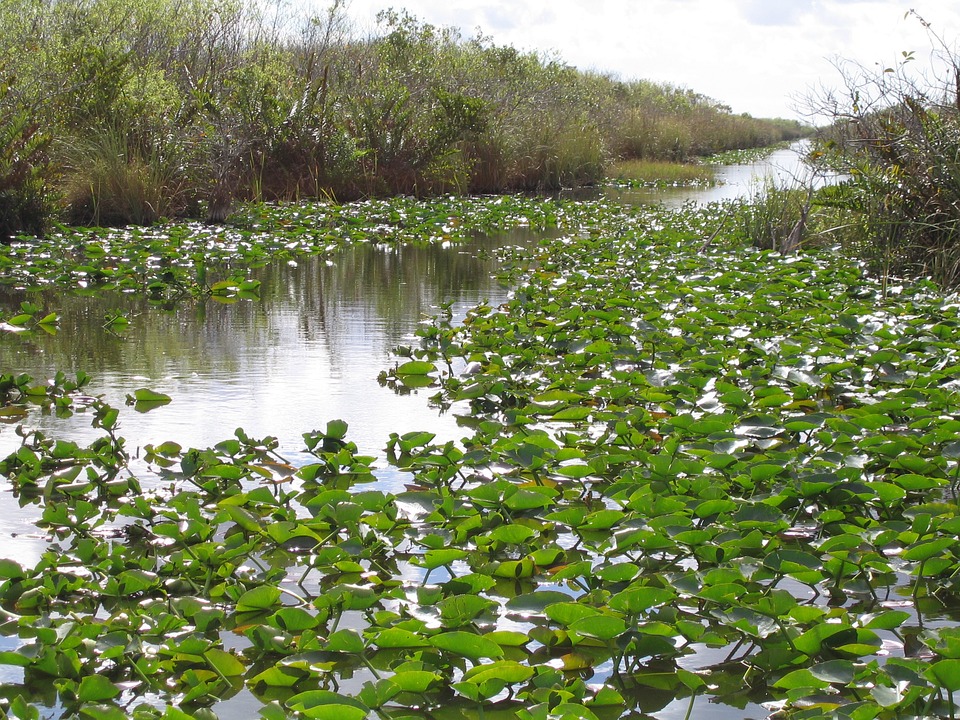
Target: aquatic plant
x,y
692,472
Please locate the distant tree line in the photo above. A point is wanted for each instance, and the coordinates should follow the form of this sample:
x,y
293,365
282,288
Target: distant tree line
x,y
115,112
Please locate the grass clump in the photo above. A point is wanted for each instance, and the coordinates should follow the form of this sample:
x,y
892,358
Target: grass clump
x,y
659,173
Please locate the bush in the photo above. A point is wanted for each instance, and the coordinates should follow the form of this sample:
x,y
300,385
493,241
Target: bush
x,y
24,205
897,136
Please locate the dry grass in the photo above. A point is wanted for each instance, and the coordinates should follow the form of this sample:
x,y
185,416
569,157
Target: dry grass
x,y
655,172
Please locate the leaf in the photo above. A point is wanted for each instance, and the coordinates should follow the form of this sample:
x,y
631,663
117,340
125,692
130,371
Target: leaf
x,y
11,569
511,534
535,602
278,676
834,671
100,711
601,627
8,657
294,620
567,613
94,688
802,678
946,674
415,367
415,681
398,638
636,600
508,671
346,641
259,598
831,634
147,395
469,645
224,663
886,620
926,550
572,414
457,610
436,558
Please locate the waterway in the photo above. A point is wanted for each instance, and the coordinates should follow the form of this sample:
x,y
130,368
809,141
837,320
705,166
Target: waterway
x,y
308,351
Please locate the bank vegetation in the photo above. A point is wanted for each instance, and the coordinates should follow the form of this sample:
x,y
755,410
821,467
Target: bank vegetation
x,y
115,112
893,133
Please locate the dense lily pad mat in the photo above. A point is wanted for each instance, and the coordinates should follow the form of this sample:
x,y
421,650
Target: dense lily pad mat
x,y
176,260
693,470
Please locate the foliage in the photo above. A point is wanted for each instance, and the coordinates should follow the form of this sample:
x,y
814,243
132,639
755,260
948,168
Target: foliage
x,y
896,134
693,470
24,205
181,108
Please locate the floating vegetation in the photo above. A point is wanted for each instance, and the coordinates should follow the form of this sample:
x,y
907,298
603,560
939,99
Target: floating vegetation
x,y
177,260
745,156
694,472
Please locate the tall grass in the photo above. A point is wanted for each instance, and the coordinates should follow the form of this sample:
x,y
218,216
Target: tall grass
x,y
777,218
660,172
152,108
106,180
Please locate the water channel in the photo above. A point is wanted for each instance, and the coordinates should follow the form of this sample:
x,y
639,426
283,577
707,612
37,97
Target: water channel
x,y
307,352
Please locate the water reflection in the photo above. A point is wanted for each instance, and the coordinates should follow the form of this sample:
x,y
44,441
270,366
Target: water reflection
x,y
782,168
307,352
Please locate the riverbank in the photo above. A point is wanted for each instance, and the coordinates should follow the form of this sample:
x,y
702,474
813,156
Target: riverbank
x,y
127,113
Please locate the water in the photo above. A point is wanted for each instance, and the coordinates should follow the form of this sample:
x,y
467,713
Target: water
x,y
307,352
782,168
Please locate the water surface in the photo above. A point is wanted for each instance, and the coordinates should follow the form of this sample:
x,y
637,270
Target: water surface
x,y
307,352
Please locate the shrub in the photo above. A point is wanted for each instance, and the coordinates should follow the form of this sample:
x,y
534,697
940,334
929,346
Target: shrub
x,y
24,166
897,136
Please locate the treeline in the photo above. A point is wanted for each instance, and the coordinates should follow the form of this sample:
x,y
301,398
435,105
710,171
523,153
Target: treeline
x,y
115,112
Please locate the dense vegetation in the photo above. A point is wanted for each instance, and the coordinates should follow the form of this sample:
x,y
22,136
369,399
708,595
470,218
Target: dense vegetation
x,y
895,133
691,473
114,112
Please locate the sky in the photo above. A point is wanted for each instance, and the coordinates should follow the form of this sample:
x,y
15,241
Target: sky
x,y
762,57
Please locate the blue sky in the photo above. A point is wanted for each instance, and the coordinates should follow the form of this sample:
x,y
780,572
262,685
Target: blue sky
x,y
758,56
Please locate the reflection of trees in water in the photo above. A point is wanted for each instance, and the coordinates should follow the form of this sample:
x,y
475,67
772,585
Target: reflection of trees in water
x,y
365,297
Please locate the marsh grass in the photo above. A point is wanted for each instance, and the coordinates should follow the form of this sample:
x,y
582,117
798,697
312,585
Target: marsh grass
x,y
774,217
158,108
660,173
106,181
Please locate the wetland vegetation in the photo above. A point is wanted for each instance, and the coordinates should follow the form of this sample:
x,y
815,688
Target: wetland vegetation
x,y
697,471
127,112
691,474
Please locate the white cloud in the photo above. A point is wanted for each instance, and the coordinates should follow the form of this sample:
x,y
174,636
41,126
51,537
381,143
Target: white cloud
x,y
754,55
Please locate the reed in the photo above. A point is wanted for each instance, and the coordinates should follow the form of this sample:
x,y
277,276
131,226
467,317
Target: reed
x,y
166,107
